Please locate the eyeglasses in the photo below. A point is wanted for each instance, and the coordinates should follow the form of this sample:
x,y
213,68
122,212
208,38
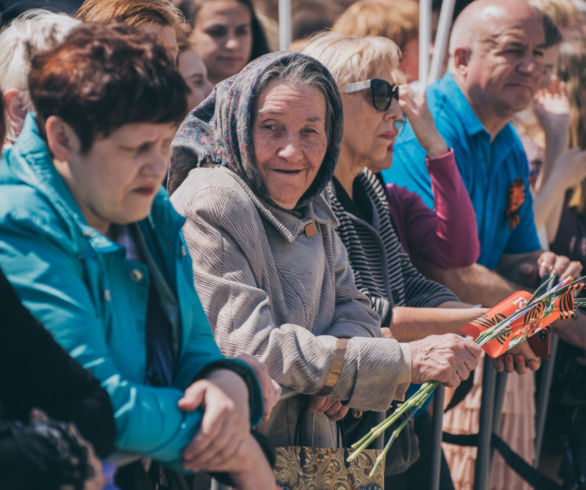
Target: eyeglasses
x,y
382,92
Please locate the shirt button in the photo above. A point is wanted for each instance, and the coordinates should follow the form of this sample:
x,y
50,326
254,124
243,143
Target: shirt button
x,y
135,275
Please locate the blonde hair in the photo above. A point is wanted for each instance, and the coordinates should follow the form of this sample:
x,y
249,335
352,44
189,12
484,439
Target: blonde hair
x,y
572,70
563,13
397,20
352,58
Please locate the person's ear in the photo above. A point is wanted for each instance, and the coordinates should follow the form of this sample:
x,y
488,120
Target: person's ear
x,y
16,107
461,58
61,139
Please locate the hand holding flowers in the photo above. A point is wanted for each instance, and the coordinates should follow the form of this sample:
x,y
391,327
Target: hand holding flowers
x,y
503,332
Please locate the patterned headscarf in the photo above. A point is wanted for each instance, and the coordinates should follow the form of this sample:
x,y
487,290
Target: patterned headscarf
x,y
219,131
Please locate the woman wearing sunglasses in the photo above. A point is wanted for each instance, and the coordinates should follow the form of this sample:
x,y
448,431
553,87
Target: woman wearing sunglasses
x,y
373,115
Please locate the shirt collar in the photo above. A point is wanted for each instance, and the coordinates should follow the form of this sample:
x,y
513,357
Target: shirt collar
x,y
456,98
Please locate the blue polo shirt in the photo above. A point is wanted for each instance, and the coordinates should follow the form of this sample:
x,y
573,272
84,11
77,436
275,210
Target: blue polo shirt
x,y
487,169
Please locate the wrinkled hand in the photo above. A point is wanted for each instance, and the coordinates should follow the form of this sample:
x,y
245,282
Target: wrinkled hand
x,y
520,359
552,107
271,390
332,408
414,107
225,423
445,358
562,266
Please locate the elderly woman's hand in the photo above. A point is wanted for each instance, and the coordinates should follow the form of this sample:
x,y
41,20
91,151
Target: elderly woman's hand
x,y
445,358
271,390
225,424
414,107
332,408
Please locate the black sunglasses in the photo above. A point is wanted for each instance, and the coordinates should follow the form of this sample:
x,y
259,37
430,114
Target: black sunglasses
x,y
382,92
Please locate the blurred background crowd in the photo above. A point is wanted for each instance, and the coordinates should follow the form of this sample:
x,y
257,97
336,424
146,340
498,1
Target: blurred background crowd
x,y
211,248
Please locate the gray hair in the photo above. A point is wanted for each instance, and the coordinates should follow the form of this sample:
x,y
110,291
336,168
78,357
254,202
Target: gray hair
x,y
30,33
303,70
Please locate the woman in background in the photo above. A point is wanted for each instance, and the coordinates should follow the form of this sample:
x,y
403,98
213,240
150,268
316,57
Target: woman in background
x,y
225,33
194,72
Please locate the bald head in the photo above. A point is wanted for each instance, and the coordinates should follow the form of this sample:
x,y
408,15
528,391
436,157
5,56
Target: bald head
x,y
496,57
482,18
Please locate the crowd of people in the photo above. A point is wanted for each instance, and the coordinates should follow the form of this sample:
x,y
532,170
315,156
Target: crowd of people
x,y
210,248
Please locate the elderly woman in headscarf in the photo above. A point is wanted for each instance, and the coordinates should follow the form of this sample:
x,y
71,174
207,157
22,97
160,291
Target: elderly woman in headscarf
x,y
271,272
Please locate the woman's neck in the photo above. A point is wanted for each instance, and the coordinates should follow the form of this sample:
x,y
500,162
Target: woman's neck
x,y
347,169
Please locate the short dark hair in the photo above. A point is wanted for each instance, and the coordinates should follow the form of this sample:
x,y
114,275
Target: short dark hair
x,y
260,46
105,76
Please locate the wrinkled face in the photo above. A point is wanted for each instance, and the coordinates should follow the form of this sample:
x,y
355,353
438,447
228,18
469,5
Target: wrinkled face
x,y
505,64
369,134
195,74
117,179
223,37
290,139
166,36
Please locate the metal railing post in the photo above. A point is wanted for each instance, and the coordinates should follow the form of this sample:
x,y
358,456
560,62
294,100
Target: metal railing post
x,y
436,437
485,425
424,39
543,396
441,40
284,25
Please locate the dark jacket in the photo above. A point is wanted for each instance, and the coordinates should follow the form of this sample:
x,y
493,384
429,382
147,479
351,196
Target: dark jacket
x,y
35,372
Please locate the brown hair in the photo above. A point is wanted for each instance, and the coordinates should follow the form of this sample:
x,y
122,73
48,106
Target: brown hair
x,y
130,12
190,9
572,70
397,20
105,76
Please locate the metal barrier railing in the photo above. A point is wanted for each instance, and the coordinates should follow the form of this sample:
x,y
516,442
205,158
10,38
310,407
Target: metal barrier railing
x,y
436,437
493,390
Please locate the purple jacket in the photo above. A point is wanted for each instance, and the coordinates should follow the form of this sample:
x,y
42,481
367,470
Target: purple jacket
x,y
446,237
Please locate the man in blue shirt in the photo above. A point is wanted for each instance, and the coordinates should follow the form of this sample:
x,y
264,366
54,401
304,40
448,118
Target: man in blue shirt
x,y
496,57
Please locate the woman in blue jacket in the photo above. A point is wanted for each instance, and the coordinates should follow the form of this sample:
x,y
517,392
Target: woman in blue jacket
x,y
94,249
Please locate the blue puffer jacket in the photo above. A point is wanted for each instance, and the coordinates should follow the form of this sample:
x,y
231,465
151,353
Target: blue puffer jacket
x,y
94,301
